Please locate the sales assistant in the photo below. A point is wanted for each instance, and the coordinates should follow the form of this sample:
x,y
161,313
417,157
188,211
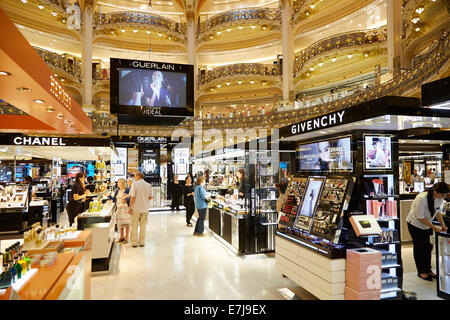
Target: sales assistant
x,y
425,208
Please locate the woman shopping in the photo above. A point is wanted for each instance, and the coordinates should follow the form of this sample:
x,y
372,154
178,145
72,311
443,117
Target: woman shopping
x,y
426,207
201,202
189,200
77,198
123,217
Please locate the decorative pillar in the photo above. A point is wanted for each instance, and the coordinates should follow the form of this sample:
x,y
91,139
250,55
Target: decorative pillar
x,y
394,32
86,54
192,49
288,49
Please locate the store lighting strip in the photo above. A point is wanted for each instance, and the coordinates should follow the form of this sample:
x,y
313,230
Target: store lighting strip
x,y
444,105
302,243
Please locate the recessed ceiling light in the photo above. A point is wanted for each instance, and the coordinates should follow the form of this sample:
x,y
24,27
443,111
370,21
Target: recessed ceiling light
x,y
159,34
252,82
50,109
40,6
350,56
23,89
134,30
219,85
366,55
219,32
320,64
148,32
38,100
228,30
228,83
24,1
240,27
59,116
54,13
311,69
239,82
5,73
123,30
66,121
417,29
253,27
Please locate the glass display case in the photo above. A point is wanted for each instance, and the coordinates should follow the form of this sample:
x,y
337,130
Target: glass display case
x,y
13,205
443,264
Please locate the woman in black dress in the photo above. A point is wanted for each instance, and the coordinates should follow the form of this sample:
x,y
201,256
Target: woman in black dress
x,y
77,198
175,194
189,200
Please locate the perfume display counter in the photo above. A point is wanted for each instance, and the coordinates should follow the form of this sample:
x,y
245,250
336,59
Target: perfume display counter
x,y
102,226
68,278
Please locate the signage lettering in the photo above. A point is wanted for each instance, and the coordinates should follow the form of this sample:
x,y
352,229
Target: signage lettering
x,y
151,139
153,65
318,123
38,141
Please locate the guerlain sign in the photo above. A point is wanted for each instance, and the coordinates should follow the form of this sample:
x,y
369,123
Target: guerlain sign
x,y
153,65
318,123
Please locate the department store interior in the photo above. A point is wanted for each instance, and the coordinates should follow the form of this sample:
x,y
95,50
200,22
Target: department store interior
x,y
320,128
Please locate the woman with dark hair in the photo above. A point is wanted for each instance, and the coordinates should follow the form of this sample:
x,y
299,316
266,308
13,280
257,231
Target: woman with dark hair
x,y
77,198
189,200
426,206
175,194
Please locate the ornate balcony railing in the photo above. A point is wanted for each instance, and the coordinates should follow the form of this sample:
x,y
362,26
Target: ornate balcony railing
x,y
160,23
241,16
347,39
245,69
102,119
70,65
60,5
427,65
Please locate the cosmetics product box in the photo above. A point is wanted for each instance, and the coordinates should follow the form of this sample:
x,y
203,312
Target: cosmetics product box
x,y
350,294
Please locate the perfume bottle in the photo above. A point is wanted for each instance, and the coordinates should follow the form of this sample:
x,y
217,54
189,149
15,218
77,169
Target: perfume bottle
x,y
23,264
18,268
27,259
13,271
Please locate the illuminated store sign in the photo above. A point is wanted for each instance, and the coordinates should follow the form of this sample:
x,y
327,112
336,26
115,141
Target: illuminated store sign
x,y
153,65
38,141
318,123
151,139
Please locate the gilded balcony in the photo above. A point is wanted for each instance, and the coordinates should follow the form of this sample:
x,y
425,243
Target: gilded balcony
x,y
267,17
269,71
341,41
59,6
68,64
140,20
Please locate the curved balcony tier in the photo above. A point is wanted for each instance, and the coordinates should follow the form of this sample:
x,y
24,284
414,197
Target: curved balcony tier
x,y
236,70
59,6
141,20
69,65
267,18
341,41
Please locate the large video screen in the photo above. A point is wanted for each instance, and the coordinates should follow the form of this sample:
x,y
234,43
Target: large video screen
x,y
327,155
151,89
378,152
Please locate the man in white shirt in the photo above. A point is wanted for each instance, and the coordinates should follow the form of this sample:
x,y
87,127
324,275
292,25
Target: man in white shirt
x,y
141,194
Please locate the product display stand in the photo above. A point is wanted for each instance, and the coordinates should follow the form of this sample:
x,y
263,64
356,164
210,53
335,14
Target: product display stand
x,y
443,265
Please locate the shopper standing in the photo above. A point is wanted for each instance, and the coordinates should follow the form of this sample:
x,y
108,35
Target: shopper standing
x,y
189,202
141,194
176,193
201,203
77,198
425,207
242,184
123,216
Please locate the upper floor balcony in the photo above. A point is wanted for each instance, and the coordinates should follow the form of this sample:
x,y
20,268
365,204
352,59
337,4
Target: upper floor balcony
x,y
238,70
140,20
364,38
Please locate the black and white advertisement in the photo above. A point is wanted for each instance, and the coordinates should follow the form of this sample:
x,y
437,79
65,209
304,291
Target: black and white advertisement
x,y
327,155
149,162
378,152
181,161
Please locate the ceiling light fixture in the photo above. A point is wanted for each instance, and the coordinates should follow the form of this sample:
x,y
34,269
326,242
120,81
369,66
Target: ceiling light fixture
x,y
24,1
239,82
415,20
148,32
134,30
228,30
59,116
23,89
252,82
5,73
54,13
228,83
417,29
320,64
420,10
253,27
123,30
350,56
50,109
38,100
219,32
311,69
40,6
240,27
366,55
66,121
219,85
312,6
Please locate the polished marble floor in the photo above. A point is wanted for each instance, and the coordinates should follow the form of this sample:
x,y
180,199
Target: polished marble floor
x,y
175,265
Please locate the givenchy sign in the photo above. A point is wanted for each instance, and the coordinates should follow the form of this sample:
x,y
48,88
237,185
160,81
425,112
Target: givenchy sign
x,y
38,141
318,123
153,65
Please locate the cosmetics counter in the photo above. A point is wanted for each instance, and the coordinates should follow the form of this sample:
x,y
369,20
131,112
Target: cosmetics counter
x,y
442,241
246,224
42,267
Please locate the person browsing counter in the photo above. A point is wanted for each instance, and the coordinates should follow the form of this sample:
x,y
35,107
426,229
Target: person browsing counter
x,y
141,194
201,203
425,207
77,198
